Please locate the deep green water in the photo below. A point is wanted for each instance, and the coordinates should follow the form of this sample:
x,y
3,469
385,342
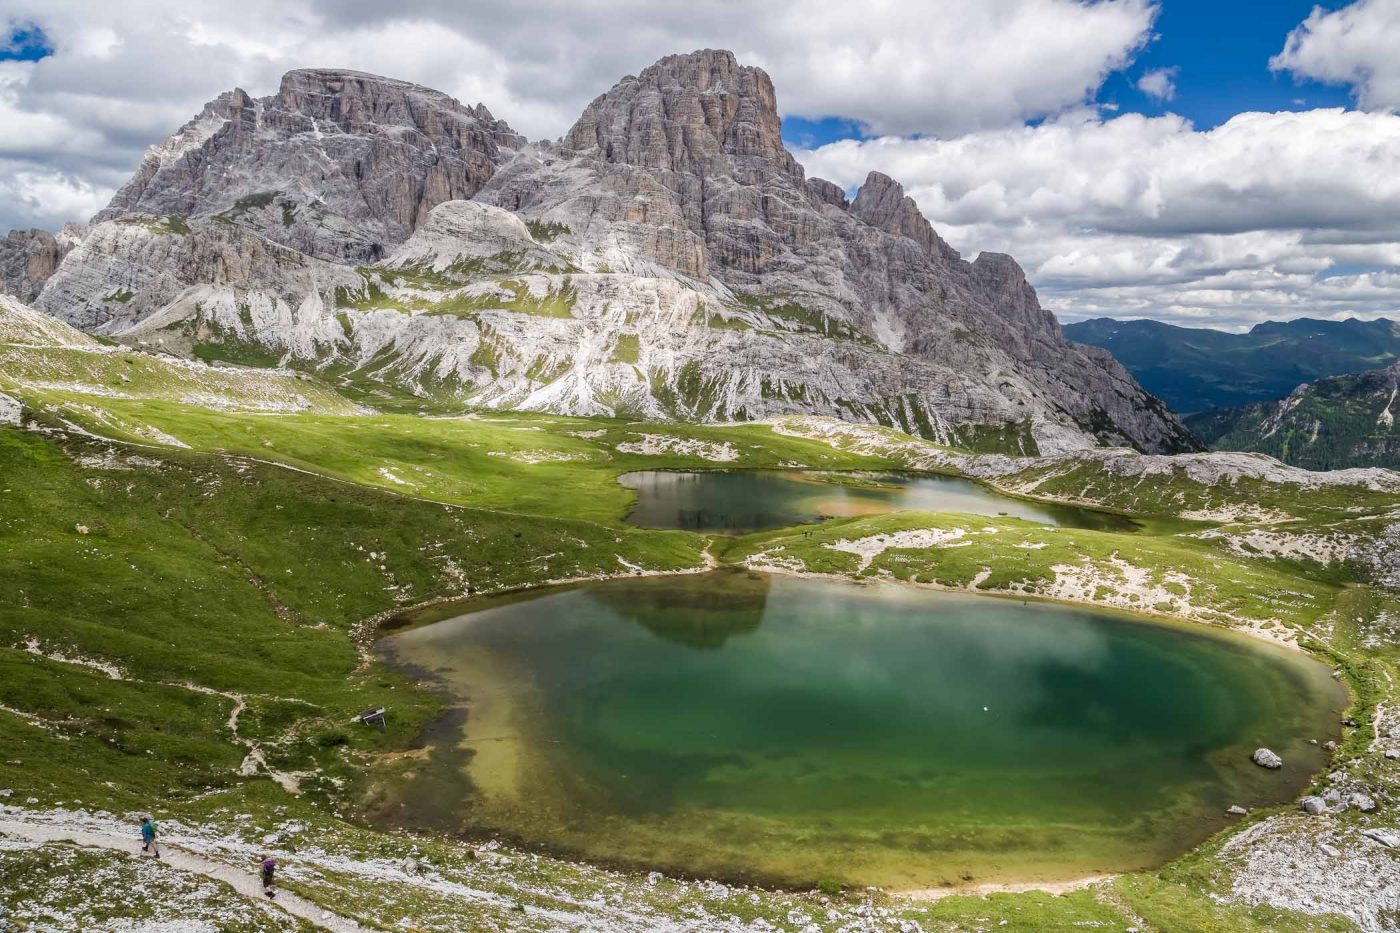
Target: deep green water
x,y
741,501
785,730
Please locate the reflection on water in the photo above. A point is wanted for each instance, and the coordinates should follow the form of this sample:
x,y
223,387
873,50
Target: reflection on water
x,y
754,500
784,729
694,616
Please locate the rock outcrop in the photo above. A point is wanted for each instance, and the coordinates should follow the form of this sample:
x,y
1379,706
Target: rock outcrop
x,y
666,257
29,257
680,170
881,202
131,270
11,412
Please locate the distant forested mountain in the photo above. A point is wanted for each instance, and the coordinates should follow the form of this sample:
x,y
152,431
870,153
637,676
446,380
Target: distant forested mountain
x,y
1196,369
1338,422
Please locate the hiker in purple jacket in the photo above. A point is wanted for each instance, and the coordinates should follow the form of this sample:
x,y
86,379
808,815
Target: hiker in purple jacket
x,y
269,869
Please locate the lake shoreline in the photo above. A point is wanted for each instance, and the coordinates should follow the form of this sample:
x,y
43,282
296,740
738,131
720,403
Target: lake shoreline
x,y
1056,888
1254,631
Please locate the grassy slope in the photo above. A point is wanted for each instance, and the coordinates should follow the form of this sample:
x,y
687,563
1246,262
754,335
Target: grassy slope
x,y
248,578
240,578
505,462
1010,555
98,373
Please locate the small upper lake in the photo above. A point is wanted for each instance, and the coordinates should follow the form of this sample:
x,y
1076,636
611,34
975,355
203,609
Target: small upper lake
x,y
744,726
742,501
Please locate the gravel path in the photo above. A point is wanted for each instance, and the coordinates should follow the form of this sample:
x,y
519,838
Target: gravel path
x,y
245,883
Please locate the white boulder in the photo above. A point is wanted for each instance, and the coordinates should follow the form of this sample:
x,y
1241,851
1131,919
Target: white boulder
x,y
10,410
1363,802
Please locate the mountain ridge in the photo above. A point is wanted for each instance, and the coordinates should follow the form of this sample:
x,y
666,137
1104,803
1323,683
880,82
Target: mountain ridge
x,y
1196,369
1330,424
688,266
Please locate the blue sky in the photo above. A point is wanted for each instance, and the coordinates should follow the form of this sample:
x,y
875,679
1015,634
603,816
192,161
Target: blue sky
x,y
1222,50
24,45
1237,196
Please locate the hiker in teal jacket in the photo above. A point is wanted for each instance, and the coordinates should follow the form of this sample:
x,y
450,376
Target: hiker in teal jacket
x,y
148,836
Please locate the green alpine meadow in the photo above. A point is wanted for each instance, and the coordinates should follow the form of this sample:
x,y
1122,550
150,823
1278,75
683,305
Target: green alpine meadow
x,y
408,526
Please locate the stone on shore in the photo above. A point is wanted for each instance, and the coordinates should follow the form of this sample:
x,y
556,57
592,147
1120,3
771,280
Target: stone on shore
x,y
1315,806
1265,758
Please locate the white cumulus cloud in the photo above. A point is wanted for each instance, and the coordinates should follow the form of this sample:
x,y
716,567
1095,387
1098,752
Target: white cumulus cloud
x,y
1270,215
1357,45
1159,83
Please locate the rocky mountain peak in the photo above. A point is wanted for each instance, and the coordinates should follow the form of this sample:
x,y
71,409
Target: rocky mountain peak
x,y
700,113
358,102
668,257
881,202
338,164
1003,281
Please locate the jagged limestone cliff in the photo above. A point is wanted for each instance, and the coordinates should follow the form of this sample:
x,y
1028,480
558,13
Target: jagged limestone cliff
x,y
29,257
666,257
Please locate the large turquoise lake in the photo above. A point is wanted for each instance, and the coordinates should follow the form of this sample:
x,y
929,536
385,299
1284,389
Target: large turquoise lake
x,y
748,727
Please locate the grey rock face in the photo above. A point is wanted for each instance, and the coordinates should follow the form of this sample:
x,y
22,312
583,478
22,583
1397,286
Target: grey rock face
x,y
881,202
337,164
129,271
11,412
1265,758
28,258
681,170
706,276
